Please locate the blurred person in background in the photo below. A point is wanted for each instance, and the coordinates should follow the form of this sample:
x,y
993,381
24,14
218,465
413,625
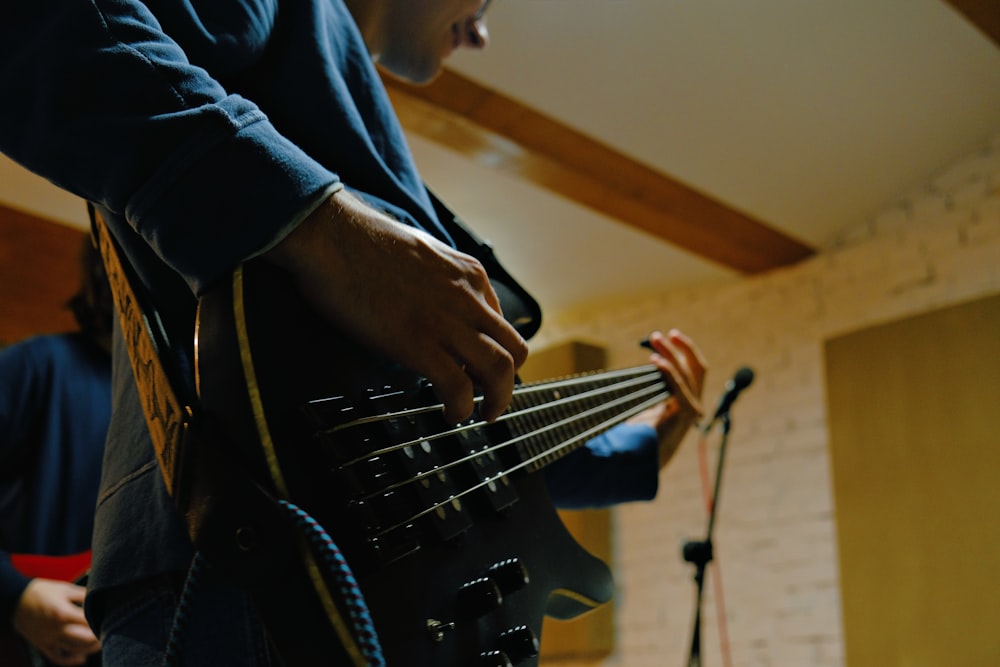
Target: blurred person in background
x,y
55,406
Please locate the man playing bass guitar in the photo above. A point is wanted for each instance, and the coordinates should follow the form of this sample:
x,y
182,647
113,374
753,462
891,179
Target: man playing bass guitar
x,y
208,134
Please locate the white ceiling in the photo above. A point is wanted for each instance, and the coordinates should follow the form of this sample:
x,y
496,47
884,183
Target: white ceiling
x,y
809,115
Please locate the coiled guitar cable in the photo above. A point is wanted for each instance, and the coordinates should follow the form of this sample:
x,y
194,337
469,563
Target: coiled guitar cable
x,y
358,615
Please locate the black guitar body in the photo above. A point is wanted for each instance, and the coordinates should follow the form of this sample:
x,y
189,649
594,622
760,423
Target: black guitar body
x,y
455,546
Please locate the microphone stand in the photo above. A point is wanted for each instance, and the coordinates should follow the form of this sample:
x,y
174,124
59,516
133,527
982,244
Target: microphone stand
x,y
699,552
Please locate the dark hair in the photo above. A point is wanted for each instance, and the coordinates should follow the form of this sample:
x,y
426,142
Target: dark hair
x,y
93,306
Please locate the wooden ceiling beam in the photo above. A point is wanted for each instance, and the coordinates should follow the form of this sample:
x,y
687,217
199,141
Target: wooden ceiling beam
x,y
984,14
506,135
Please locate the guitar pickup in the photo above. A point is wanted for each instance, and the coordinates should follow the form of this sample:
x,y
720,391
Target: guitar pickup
x,y
482,470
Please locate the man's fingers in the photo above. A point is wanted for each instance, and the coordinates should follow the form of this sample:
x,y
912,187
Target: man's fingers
x,y
682,364
681,388
80,638
76,594
695,359
483,365
492,368
468,361
451,384
73,644
510,340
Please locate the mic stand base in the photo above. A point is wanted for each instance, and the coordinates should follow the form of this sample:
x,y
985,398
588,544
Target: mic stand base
x,y
699,552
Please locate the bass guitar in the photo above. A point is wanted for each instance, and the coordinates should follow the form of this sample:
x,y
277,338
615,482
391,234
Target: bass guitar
x,y
448,548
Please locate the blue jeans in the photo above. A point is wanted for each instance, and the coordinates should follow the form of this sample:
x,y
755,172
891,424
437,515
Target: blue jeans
x,y
221,630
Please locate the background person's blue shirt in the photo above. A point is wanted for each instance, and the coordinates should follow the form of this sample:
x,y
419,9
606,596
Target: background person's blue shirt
x,y
55,403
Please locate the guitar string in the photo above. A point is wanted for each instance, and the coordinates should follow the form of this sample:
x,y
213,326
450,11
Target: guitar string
x,y
554,426
509,415
656,376
520,390
633,376
594,430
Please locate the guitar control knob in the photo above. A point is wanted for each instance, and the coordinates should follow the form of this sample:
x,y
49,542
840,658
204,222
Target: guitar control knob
x,y
510,575
519,643
494,659
479,596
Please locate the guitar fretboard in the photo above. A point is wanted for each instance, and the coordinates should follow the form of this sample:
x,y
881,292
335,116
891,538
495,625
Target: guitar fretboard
x,y
553,418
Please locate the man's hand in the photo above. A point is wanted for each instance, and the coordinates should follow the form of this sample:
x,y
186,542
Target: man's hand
x,y
684,368
50,616
410,298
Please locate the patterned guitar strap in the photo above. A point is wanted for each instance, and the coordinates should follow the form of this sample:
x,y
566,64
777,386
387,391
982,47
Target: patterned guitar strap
x,y
236,526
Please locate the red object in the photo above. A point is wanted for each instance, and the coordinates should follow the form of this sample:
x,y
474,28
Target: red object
x,y
13,649
64,568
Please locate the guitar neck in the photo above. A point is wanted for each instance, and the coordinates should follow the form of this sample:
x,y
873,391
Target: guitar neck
x,y
548,420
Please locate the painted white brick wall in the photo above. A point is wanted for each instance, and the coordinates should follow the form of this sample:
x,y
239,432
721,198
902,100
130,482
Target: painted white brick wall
x,y
775,535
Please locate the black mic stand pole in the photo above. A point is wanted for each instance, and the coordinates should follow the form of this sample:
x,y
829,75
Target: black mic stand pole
x,y
699,553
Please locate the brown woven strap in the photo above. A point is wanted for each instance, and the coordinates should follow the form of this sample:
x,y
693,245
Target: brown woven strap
x,y
167,417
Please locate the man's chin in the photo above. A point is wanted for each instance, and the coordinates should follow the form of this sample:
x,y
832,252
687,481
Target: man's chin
x,y
417,75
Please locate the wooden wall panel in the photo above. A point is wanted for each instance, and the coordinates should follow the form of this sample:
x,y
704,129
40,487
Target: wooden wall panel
x,y
39,272
591,636
913,440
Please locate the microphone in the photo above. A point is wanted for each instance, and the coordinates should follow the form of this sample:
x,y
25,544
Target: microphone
x,y
740,381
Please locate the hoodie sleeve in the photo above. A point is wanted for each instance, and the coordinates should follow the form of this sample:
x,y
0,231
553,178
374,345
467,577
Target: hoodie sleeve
x,y
618,466
101,101
12,585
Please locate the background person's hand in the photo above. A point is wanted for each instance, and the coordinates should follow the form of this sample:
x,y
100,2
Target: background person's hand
x,y
49,615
